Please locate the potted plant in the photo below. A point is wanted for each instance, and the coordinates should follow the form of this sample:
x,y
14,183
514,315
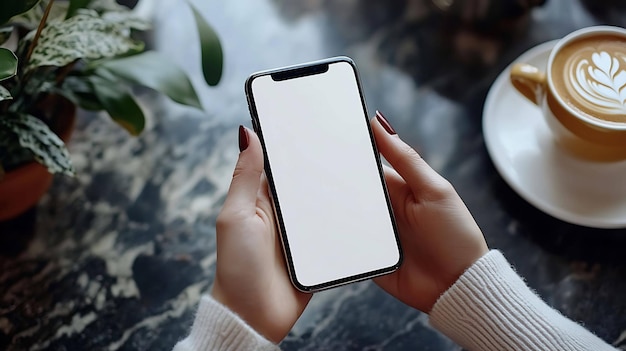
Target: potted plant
x,y
59,55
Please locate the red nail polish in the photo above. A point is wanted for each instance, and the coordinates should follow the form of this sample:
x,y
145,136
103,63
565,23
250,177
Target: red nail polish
x,y
383,122
243,138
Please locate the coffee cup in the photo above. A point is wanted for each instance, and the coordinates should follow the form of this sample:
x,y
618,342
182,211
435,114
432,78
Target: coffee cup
x,y
582,93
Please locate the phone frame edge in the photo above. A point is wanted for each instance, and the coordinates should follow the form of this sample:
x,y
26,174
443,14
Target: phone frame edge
x,y
275,203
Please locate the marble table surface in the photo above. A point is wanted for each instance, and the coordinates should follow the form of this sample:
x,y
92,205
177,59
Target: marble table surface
x,y
118,257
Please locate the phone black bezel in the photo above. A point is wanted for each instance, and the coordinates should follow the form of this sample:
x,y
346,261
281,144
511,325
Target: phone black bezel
x,y
296,71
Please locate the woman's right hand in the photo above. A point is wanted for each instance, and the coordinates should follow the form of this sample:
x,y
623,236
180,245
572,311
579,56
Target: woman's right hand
x,y
439,237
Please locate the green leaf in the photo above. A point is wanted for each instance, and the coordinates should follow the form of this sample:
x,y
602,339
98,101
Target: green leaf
x,y
8,64
5,94
157,72
35,136
120,104
10,8
84,36
212,56
75,5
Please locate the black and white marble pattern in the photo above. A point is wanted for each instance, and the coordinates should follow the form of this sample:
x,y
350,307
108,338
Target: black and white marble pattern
x,y
118,257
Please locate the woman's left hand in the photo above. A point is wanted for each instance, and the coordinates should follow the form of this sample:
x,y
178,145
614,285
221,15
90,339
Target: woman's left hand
x,y
251,277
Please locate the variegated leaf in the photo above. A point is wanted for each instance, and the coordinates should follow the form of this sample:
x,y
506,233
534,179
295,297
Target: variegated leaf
x,y
4,94
31,19
5,34
106,6
8,142
113,12
12,154
126,19
10,8
84,36
47,148
75,5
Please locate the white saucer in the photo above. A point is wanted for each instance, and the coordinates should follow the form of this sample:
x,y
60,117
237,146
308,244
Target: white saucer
x,y
524,153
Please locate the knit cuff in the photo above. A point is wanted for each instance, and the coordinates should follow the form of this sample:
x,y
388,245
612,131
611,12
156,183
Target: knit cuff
x,y
217,328
491,308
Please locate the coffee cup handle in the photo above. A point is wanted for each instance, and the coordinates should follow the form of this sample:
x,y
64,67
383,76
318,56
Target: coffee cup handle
x,y
529,81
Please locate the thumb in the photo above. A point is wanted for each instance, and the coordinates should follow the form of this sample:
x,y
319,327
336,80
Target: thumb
x,y
246,180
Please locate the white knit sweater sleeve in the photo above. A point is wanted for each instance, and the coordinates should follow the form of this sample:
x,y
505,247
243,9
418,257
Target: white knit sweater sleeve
x,y
216,328
491,308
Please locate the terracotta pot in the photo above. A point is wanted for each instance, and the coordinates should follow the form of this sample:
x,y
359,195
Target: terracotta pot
x,y
21,188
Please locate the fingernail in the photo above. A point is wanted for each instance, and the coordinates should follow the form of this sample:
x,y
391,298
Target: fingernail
x,y
385,123
243,138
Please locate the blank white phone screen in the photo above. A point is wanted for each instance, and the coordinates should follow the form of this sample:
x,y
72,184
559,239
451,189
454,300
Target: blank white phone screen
x,y
326,179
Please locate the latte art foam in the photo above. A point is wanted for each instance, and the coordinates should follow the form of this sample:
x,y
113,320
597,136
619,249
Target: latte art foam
x,y
590,75
600,82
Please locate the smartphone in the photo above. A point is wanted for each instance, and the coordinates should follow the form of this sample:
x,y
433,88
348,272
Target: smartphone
x,y
324,172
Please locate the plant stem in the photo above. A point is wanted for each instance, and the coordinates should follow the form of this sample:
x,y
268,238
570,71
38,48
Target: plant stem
x,y
42,24
22,83
64,71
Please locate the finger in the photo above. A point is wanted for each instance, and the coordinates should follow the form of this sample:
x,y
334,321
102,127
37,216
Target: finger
x,y
396,186
246,181
420,177
264,189
264,200
389,283
399,192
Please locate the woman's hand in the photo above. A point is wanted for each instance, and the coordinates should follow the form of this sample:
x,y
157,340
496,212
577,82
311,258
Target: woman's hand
x,y
251,277
439,237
